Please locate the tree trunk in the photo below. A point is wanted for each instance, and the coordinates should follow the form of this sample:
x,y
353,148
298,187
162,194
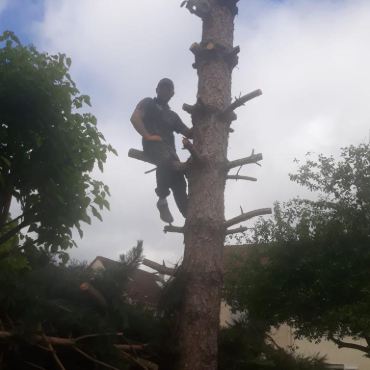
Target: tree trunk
x,y
204,228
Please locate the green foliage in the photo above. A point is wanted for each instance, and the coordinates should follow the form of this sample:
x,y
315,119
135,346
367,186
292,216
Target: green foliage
x,y
246,345
48,149
134,257
310,265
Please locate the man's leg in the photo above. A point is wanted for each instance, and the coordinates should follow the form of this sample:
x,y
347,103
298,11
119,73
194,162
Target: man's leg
x,y
160,154
178,186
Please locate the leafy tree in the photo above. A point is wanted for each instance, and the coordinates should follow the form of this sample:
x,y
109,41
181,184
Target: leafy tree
x,y
309,267
47,150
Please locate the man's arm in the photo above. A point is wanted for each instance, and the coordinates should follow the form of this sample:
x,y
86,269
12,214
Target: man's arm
x,y
137,120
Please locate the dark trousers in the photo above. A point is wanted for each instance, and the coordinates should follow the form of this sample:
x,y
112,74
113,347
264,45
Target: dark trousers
x,y
163,155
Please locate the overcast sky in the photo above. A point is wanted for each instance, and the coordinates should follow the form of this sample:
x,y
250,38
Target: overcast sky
x,y
310,58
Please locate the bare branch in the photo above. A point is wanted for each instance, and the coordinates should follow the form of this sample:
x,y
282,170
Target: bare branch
x,y
247,216
241,101
254,158
141,156
158,267
342,344
35,366
94,360
240,229
56,358
152,170
237,177
190,147
173,229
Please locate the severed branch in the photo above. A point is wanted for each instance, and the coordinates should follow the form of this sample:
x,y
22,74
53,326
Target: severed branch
x,y
240,229
50,347
247,216
253,158
141,156
238,177
160,268
68,342
95,294
173,229
94,360
241,101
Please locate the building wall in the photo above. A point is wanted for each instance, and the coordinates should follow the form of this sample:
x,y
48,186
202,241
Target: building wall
x,y
352,358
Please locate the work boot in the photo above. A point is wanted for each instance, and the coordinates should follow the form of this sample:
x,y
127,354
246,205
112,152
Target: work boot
x,y
164,211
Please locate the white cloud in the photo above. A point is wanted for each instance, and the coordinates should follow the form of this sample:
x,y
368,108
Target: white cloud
x,y
309,58
3,5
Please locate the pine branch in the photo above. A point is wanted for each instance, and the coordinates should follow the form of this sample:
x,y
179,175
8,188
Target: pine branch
x,y
160,268
56,358
237,177
141,156
240,229
190,147
173,229
241,101
253,158
95,294
94,360
247,216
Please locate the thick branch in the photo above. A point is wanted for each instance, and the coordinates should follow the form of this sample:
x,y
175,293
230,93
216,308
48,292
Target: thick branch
x,y
195,48
12,232
141,156
191,109
240,229
160,268
247,216
96,295
238,177
341,344
67,342
173,229
241,101
190,147
254,158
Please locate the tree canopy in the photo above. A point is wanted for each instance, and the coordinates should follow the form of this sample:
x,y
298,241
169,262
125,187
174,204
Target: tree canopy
x,y
47,150
309,265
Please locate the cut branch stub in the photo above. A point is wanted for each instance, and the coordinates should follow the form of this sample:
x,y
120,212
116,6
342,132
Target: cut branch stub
x,y
238,177
247,216
141,156
232,57
94,294
173,229
254,158
190,147
239,102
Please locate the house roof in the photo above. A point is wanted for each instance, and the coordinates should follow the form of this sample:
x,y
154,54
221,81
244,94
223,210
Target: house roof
x,y
145,286
142,287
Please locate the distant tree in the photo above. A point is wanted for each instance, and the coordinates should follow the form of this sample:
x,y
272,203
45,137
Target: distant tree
x,y
47,150
247,345
310,265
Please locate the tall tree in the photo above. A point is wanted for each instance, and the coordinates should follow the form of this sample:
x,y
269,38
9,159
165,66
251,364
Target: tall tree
x,y
205,227
47,149
310,266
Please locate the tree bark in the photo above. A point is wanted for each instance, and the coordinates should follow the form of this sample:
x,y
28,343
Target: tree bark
x,y
204,230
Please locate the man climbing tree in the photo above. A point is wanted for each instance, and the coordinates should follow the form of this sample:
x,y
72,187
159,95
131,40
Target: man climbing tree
x,y
155,122
205,227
